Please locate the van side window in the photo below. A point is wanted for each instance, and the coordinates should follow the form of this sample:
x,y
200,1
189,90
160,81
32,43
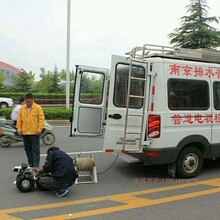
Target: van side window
x,y
216,94
121,85
188,94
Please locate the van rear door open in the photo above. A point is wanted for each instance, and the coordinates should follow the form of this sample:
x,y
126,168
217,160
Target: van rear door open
x,y
119,121
89,101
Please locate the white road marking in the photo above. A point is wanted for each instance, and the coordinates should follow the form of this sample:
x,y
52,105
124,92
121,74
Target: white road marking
x,y
80,152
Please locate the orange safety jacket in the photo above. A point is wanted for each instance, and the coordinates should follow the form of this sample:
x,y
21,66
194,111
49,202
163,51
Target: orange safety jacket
x,y
30,122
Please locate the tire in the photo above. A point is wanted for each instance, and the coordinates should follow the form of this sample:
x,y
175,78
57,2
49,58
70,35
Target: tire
x,y
189,162
48,138
25,183
4,105
4,142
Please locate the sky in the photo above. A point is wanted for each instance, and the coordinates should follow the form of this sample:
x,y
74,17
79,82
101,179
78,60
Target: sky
x,y
33,33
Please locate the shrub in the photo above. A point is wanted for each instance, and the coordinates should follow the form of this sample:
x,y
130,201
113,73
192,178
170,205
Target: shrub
x,y
17,95
6,112
51,101
49,113
57,113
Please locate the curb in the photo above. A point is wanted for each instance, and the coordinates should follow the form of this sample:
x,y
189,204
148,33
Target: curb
x,y
59,122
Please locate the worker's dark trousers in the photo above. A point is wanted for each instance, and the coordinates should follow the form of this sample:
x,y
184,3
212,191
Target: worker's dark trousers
x,y
50,183
32,149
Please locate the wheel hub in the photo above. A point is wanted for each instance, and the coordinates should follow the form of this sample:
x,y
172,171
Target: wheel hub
x,y
25,183
191,163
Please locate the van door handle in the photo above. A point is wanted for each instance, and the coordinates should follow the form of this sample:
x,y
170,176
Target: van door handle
x,y
115,116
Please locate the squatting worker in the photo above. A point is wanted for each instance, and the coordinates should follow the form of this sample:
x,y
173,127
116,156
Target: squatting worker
x,y
30,123
62,172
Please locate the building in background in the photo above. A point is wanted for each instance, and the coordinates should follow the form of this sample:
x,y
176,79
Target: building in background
x,y
10,72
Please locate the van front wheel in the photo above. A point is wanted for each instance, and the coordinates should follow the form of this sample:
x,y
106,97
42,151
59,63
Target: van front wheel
x,y
189,162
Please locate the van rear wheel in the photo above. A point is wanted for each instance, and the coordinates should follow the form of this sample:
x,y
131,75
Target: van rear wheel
x,y
189,162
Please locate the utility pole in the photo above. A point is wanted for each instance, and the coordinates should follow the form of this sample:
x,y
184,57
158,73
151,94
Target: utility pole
x,y
68,55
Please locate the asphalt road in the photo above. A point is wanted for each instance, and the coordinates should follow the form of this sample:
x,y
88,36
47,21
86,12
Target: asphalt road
x,y
125,191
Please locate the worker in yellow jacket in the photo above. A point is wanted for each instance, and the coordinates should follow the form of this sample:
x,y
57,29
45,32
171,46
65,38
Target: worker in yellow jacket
x,y
30,123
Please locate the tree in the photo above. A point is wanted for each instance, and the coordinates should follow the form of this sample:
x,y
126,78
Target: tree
x,y
2,79
23,82
50,81
45,82
62,74
63,78
96,84
195,30
55,88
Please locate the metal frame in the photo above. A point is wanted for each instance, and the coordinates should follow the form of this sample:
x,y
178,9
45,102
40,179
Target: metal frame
x,y
92,176
150,50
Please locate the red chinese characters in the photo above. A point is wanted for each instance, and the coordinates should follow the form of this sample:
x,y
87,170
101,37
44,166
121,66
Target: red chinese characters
x,y
188,119
187,70
196,71
174,69
216,118
198,118
209,73
178,119
208,118
218,73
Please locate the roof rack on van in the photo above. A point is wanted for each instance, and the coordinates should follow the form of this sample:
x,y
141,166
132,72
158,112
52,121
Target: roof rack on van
x,y
149,50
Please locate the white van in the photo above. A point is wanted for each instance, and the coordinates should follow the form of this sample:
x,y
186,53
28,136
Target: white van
x,y
163,106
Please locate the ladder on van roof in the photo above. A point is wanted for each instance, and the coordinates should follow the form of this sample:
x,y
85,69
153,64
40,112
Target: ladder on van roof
x,y
140,115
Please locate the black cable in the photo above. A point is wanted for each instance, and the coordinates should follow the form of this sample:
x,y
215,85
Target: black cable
x,y
110,165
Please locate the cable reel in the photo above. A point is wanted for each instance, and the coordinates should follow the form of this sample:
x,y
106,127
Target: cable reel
x,y
86,169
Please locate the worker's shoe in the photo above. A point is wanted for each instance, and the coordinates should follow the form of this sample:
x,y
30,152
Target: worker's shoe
x,y
61,192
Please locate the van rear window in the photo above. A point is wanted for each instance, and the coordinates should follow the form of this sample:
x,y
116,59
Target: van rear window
x,y
121,85
92,83
188,94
